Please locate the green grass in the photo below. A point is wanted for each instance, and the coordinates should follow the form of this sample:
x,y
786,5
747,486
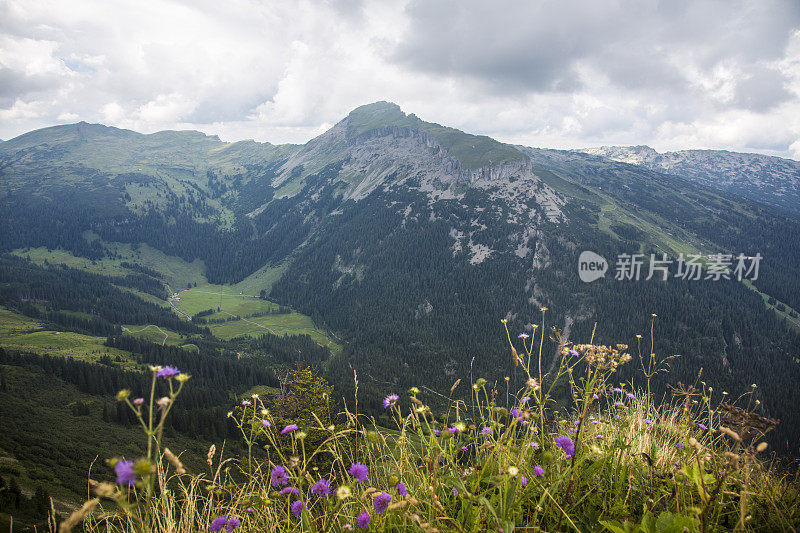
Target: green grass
x,y
230,302
18,332
156,334
782,314
262,279
177,272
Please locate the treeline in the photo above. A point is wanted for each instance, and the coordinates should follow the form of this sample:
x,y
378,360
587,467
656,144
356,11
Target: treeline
x,y
40,292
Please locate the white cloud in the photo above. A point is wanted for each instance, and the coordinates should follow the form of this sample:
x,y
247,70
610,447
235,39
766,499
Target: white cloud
x,y
703,73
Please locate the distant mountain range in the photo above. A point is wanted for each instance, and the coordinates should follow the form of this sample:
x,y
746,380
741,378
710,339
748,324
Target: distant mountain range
x,y
410,241
771,180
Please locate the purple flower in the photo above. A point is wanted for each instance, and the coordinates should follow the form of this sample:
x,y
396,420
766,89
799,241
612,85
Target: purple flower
x,y
381,502
523,481
595,422
289,490
168,372
359,471
436,432
703,427
523,336
574,353
678,464
390,400
595,396
125,473
486,431
452,430
297,508
321,488
363,520
401,489
598,437
538,470
289,428
617,404
514,412
566,444
679,445
630,396
217,524
464,449
278,476
246,402
617,390
232,524
455,492
648,422
525,400
535,445
265,423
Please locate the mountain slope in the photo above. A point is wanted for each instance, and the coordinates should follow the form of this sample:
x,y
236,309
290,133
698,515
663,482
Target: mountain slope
x,y
410,240
770,180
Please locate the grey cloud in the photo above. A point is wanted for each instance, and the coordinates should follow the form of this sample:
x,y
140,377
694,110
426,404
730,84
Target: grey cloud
x,y
762,91
540,47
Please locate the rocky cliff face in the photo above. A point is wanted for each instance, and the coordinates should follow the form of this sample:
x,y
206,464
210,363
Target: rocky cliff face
x,y
771,180
389,156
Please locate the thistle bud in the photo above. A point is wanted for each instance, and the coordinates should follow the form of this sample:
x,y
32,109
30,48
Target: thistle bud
x,y
123,395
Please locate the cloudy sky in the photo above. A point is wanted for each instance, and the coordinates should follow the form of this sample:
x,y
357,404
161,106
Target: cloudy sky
x,y
672,74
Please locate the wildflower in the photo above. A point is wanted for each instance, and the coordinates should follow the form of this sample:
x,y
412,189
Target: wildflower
x,y
616,417
486,431
464,449
513,471
363,520
679,445
566,444
703,427
523,336
217,524
343,492
436,432
523,481
678,464
381,502
574,353
617,404
138,401
630,396
617,390
288,490
232,524
538,470
413,391
321,488
401,489
535,445
595,397
460,426
598,437
573,430
390,401
297,508
452,430
265,423
525,400
455,492
163,402
359,471
648,422
595,422
125,473
277,477
289,428
246,402
168,372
